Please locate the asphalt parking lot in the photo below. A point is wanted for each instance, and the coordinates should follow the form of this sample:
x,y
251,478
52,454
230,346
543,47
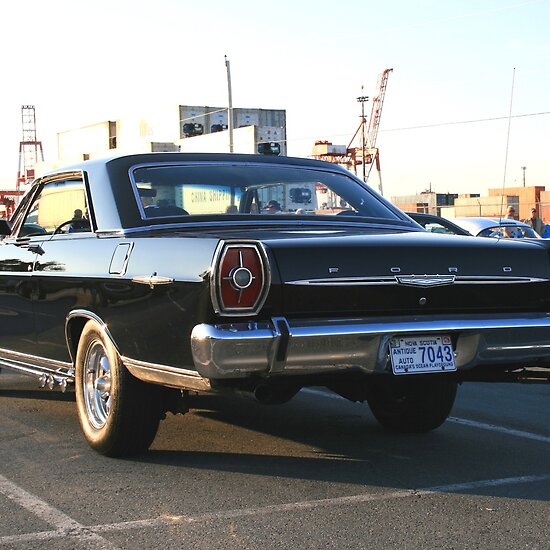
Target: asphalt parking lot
x,y
317,472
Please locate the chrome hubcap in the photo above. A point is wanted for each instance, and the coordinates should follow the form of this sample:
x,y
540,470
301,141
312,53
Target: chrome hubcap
x,y
97,384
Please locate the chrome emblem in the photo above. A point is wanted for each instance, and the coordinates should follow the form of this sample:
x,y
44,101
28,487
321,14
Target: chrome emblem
x,y
426,280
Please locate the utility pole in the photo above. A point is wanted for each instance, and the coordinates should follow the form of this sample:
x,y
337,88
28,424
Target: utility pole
x,y
524,168
230,105
363,99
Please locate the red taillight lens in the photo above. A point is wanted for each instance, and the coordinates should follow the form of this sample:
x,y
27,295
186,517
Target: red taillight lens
x,y
241,279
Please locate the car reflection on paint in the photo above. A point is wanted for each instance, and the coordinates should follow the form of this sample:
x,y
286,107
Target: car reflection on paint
x,y
498,228
437,224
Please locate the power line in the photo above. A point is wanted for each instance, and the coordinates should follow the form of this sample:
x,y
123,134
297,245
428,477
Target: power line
x,y
421,126
463,122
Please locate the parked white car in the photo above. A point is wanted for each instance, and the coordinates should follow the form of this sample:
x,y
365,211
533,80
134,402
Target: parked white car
x,y
496,227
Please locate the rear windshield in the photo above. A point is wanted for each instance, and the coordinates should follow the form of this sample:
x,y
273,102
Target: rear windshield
x,y
165,191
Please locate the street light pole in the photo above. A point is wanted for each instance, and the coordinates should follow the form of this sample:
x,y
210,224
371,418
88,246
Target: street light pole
x,y
230,105
524,168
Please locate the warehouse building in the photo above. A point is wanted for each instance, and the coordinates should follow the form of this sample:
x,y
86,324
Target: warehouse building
x,y
185,128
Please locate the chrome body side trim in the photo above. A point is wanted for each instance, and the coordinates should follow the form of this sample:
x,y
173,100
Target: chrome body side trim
x,y
52,364
393,280
153,280
166,376
426,280
316,346
91,316
48,371
148,372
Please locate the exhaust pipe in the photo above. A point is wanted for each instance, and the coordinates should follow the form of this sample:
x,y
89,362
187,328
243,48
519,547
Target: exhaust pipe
x,y
49,381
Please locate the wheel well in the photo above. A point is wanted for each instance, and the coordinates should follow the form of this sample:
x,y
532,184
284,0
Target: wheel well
x,y
73,331
74,326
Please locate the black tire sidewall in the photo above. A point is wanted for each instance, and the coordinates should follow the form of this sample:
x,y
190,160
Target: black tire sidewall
x,y
134,415
413,404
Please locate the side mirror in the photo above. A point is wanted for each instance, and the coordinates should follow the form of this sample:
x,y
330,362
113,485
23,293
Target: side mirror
x,y
5,227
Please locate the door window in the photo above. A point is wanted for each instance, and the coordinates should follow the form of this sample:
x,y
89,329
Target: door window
x,y
59,207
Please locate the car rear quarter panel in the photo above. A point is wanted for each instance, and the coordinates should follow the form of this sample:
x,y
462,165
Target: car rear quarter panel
x,y
150,323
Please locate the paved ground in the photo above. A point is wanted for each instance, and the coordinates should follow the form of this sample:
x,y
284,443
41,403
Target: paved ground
x,y
315,473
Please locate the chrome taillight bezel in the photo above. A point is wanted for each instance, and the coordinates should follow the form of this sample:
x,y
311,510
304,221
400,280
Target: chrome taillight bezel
x,y
215,279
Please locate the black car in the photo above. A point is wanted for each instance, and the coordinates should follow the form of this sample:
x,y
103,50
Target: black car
x,y
437,224
142,278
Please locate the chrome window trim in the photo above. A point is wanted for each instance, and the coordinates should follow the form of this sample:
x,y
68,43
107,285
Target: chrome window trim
x,y
189,163
110,232
281,221
37,187
65,236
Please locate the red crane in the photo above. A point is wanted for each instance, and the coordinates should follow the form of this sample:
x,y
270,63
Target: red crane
x,y
376,112
367,153
29,147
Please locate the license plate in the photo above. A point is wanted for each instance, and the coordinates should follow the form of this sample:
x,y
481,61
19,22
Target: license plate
x,y
422,354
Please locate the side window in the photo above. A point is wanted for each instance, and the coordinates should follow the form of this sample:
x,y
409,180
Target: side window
x,y
435,227
59,207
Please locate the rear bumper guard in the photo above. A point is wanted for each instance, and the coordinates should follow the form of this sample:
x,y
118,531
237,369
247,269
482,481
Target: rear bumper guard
x,y
313,346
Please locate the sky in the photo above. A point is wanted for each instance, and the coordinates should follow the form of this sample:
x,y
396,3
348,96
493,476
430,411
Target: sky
x,y
467,104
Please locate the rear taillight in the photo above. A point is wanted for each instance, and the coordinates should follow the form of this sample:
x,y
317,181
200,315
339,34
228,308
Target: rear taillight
x,y
240,279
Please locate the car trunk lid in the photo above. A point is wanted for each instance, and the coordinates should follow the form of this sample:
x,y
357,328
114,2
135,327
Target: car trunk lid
x,y
409,273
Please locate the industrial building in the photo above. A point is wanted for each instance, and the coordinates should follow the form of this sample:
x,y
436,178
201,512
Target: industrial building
x,y
427,202
269,127
195,128
185,128
492,205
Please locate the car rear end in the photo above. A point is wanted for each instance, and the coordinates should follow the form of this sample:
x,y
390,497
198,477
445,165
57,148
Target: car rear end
x,y
346,302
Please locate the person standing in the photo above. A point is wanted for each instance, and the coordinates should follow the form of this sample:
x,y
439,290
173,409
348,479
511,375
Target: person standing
x,y
535,222
511,213
509,232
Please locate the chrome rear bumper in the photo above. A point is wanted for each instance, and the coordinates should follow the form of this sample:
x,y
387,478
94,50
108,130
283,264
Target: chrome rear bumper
x,y
313,346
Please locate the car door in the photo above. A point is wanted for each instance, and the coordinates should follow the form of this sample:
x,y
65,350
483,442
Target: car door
x,y
17,328
60,210
17,257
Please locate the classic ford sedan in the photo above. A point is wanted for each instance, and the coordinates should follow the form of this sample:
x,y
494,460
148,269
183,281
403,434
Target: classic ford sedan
x,y
141,278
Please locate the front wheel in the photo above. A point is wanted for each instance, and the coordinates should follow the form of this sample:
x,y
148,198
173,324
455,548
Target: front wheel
x,y
411,403
118,413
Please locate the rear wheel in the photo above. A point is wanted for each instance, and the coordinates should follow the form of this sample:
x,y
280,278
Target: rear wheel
x,y
411,404
118,413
